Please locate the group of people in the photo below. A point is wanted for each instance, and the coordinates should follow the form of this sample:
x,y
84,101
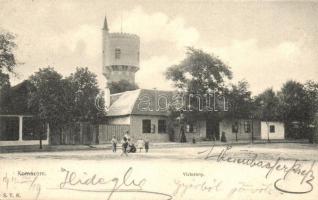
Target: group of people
x,y
128,146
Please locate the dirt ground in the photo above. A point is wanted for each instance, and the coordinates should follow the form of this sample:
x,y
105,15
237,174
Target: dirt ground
x,y
183,173
264,151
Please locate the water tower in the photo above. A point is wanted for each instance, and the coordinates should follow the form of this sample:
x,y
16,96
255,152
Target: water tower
x,y
120,55
120,58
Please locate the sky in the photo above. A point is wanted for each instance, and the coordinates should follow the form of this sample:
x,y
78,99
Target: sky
x,y
265,43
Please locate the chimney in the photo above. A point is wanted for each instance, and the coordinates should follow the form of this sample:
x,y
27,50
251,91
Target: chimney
x,y
107,98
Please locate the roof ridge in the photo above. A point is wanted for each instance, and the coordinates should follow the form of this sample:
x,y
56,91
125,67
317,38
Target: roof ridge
x,y
124,92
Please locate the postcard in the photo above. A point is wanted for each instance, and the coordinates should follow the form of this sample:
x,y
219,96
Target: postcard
x,y
158,99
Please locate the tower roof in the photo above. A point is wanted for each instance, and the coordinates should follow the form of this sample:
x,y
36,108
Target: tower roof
x,y
105,24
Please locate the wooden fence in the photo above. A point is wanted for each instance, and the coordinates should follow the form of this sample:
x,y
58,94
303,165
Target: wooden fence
x,y
106,132
75,133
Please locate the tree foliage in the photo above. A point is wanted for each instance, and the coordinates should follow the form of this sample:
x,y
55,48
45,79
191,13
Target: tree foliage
x,y
7,65
267,106
46,100
59,101
122,86
311,90
240,101
298,107
199,72
7,58
200,78
83,93
4,92
294,103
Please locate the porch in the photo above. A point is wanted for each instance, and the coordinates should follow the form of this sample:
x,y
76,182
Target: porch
x,y
18,130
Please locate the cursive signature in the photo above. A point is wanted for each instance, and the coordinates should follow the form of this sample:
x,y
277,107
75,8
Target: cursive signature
x,y
300,174
203,186
126,184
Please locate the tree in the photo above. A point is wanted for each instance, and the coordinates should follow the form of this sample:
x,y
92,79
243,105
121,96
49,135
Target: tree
x,y
311,90
295,109
4,80
199,72
4,93
240,101
198,75
59,101
267,106
7,58
122,86
84,92
7,65
46,100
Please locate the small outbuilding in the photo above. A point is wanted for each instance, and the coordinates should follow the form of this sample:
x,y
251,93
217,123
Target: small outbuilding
x,y
248,129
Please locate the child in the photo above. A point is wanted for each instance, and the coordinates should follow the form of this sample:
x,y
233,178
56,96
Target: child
x,y
127,136
124,146
146,145
114,144
140,144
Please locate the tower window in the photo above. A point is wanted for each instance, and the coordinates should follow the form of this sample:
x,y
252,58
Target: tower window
x,y
117,53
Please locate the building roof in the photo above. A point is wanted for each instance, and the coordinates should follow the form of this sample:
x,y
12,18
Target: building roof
x,y
140,102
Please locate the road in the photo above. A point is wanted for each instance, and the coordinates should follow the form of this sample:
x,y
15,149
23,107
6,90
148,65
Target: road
x,y
276,171
264,151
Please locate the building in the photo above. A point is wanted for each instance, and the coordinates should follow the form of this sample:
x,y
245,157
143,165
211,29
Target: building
x,y
245,129
22,130
144,114
17,125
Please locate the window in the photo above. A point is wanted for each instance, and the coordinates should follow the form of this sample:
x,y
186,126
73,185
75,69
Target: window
x,y
272,128
146,126
247,127
162,127
235,127
117,53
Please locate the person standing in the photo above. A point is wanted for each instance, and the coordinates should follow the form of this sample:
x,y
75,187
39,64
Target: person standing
x,y
182,135
146,145
124,146
127,136
140,144
114,144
